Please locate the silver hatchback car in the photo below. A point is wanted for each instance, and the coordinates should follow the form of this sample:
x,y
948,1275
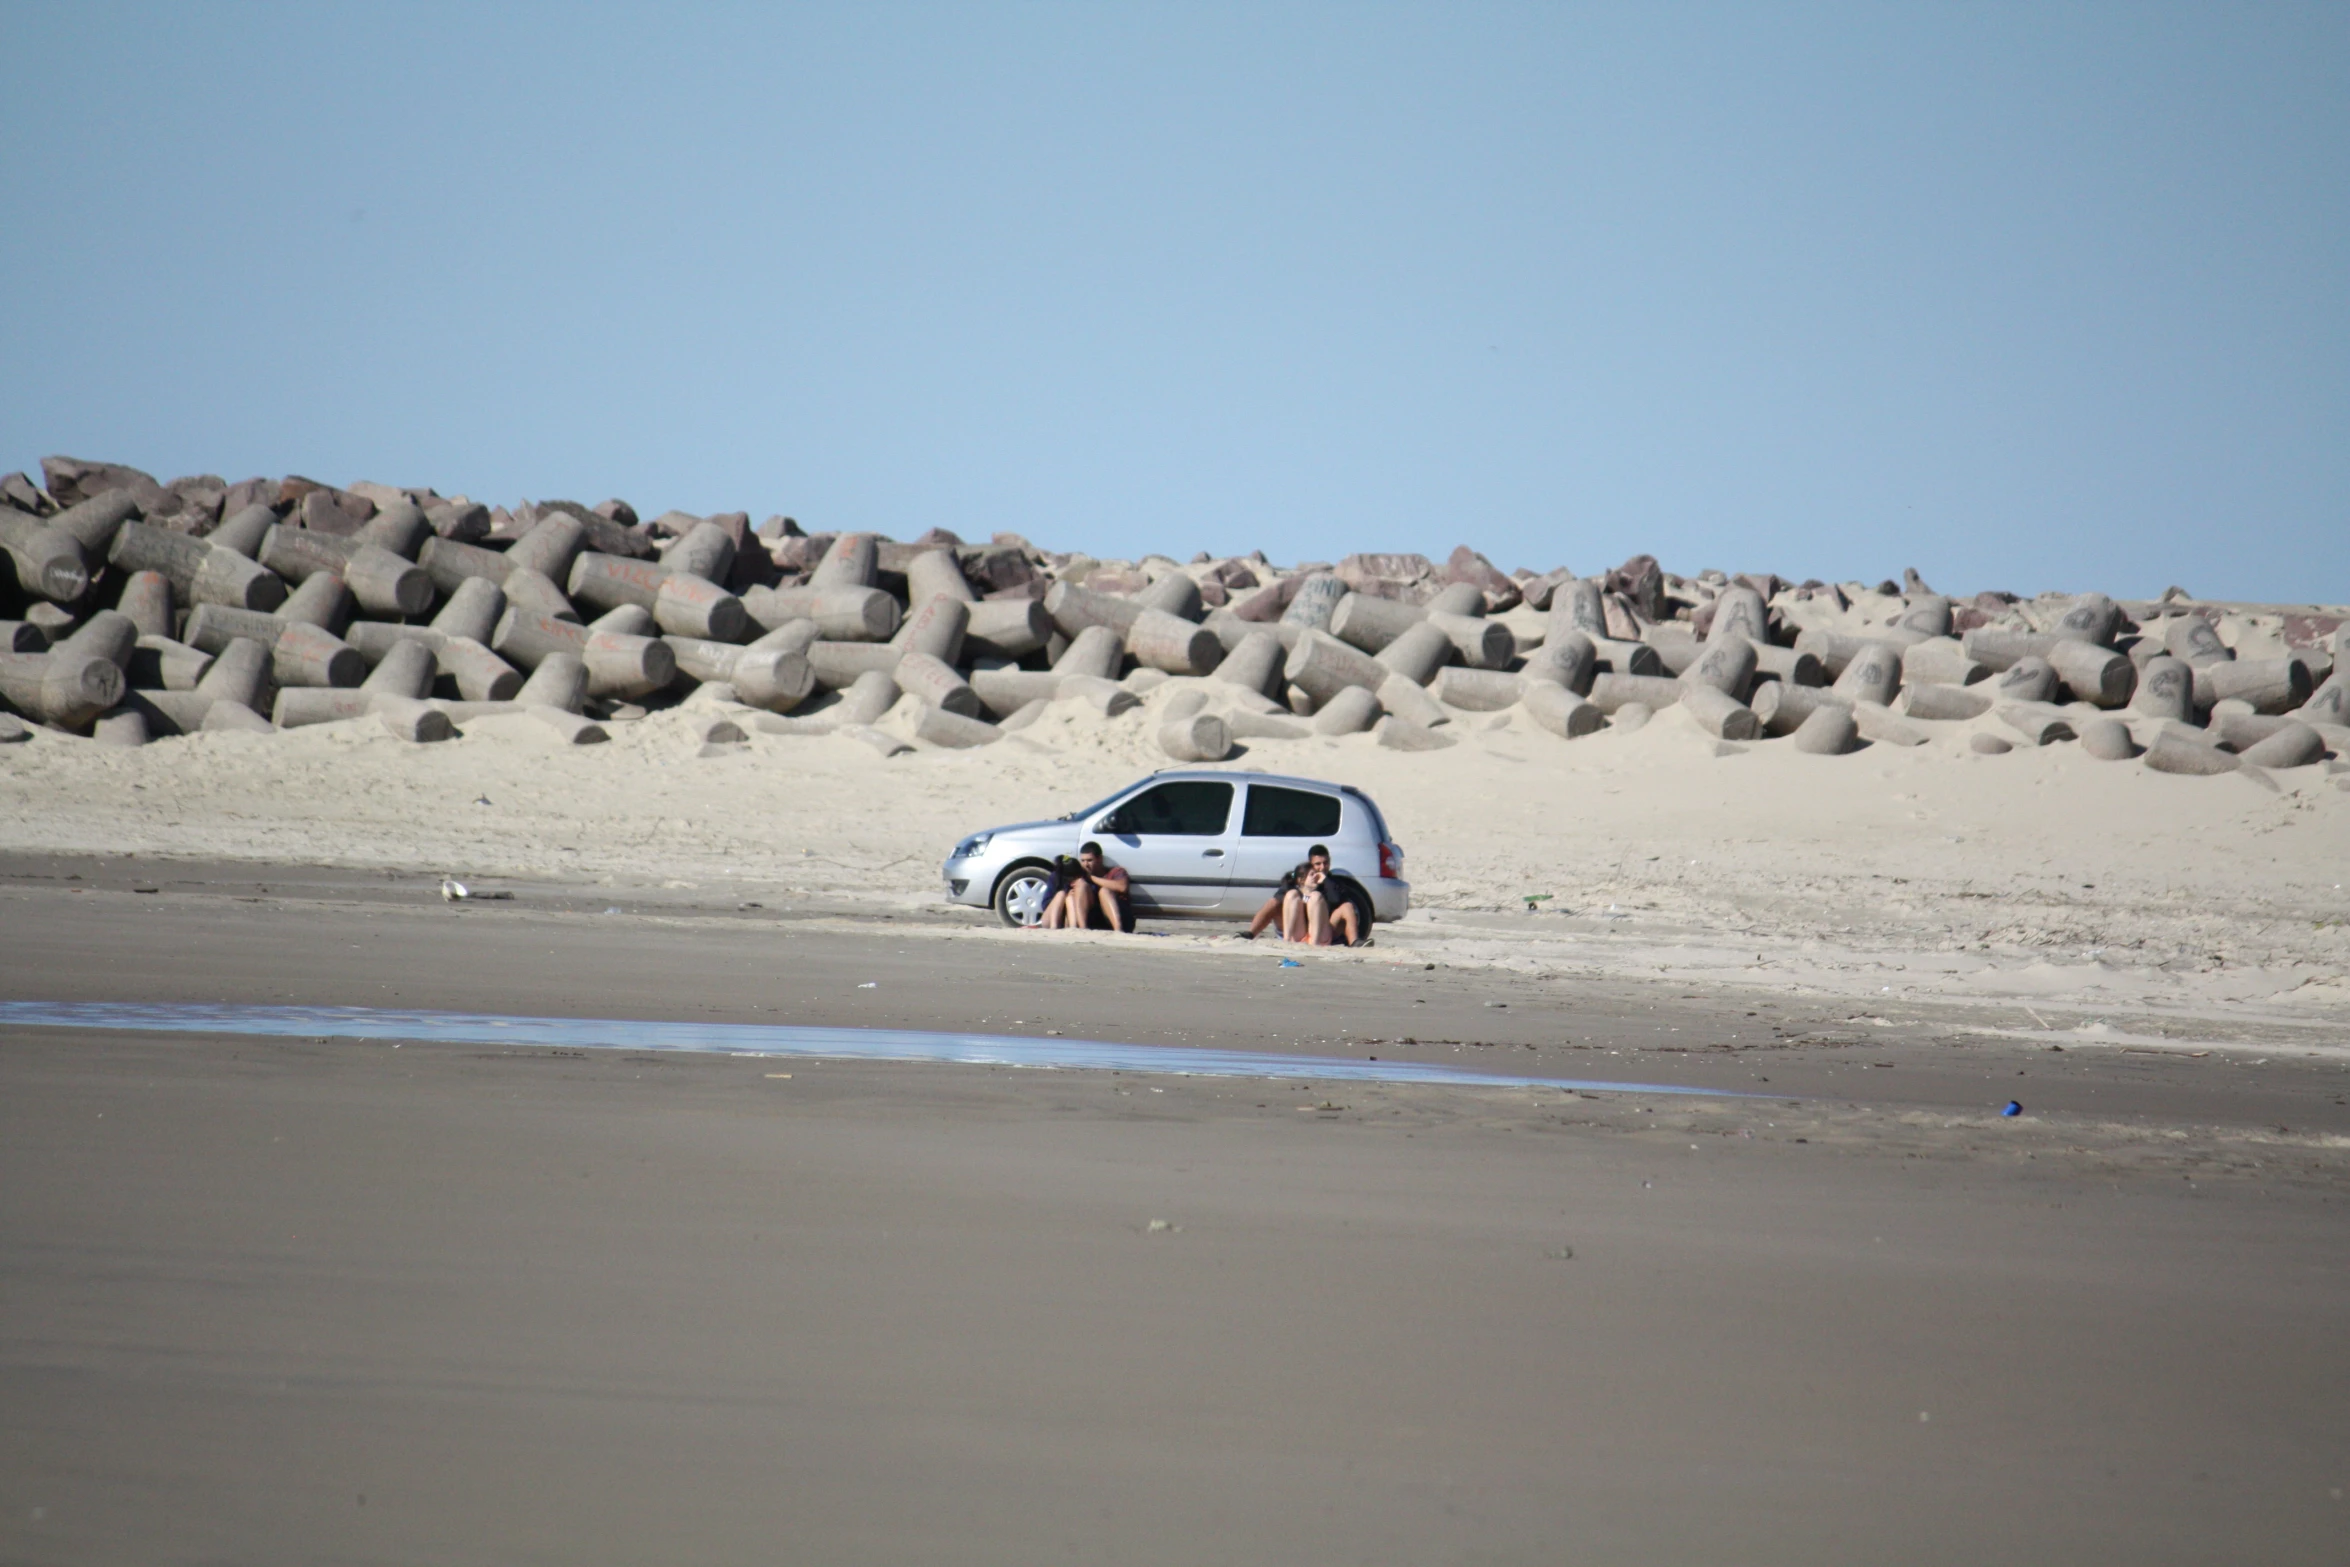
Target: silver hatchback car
x,y
1194,843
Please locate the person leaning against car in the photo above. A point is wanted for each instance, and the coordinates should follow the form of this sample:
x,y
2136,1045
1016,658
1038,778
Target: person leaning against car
x,y
1093,886
1303,905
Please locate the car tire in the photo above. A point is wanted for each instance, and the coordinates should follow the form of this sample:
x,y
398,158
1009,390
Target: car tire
x,y
1021,895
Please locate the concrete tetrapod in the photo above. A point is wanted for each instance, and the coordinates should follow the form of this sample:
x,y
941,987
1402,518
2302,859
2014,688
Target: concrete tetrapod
x,y
1872,675
322,601
2329,703
2271,685
1419,653
1928,613
1577,605
1158,640
851,562
1739,611
775,679
1940,661
1727,665
837,665
682,605
381,581
1827,730
549,547
706,551
1478,690
160,664
1075,609
1398,733
1173,593
48,560
1322,666
1718,712
109,634
2194,641
1481,643
1783,709
2031,679
2174,752
400,528
1006,628
146,598
618,664
1559,710
124,726
1350,712
1255,663
1246,725
851,614
2166,688
2106,739
2294,745
1316,601
300,654
933,574
1409,701
957,731
199,572
1095,651
934,683
244,530
1201,737
1984,743
1370,624
2038,722
2094,674
1458,598
1631,716
61,688
936,628
867,698
1611,692
93,523
2093,618
1944,703
1566,658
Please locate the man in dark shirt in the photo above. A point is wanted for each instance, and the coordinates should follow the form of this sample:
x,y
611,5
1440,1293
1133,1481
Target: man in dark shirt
x,y
1091,887
1303,904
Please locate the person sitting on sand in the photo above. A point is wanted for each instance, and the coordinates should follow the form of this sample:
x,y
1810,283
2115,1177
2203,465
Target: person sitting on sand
x,y
1092,889
1303,905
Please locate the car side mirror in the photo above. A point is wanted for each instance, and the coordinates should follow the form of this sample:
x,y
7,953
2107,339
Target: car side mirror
x,y
1112,823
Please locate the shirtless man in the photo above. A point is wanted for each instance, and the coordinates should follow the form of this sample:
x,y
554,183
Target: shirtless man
x,y
1097,886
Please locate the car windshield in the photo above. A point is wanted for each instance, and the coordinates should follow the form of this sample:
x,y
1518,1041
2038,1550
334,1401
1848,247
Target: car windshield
x,y
1102,804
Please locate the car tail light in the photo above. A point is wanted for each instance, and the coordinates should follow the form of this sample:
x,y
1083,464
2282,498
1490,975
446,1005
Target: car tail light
x,y
1391,862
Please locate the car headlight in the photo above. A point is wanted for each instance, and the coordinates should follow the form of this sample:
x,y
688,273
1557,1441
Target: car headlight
x,y
971,845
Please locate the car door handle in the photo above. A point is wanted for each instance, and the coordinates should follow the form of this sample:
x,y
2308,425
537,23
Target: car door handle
x,y
1211,854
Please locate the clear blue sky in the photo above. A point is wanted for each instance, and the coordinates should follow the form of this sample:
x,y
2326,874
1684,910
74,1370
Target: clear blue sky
x,y
2028,296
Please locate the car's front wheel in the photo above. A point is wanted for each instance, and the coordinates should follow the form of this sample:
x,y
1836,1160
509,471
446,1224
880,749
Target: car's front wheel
x,y
1020,898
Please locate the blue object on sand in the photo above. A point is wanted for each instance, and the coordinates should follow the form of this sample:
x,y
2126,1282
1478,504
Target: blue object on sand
x,y
1291,963
2014,1107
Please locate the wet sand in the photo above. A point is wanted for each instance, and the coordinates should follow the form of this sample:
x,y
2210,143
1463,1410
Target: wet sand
x,y
286,1300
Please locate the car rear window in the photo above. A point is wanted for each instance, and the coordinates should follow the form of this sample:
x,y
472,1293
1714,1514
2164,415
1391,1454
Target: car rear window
x,y
1275,812
1188,809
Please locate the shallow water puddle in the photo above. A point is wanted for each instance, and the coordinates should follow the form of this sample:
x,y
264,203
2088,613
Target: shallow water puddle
x,y
772,1039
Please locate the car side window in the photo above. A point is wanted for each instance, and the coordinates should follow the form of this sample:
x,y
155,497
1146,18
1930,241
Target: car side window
x,y
1184,809
1289,813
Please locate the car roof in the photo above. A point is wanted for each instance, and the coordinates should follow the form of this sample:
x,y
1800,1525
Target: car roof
x,y
1230,775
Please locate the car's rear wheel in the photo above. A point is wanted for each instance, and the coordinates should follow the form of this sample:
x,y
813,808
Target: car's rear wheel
x,y
1021,896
